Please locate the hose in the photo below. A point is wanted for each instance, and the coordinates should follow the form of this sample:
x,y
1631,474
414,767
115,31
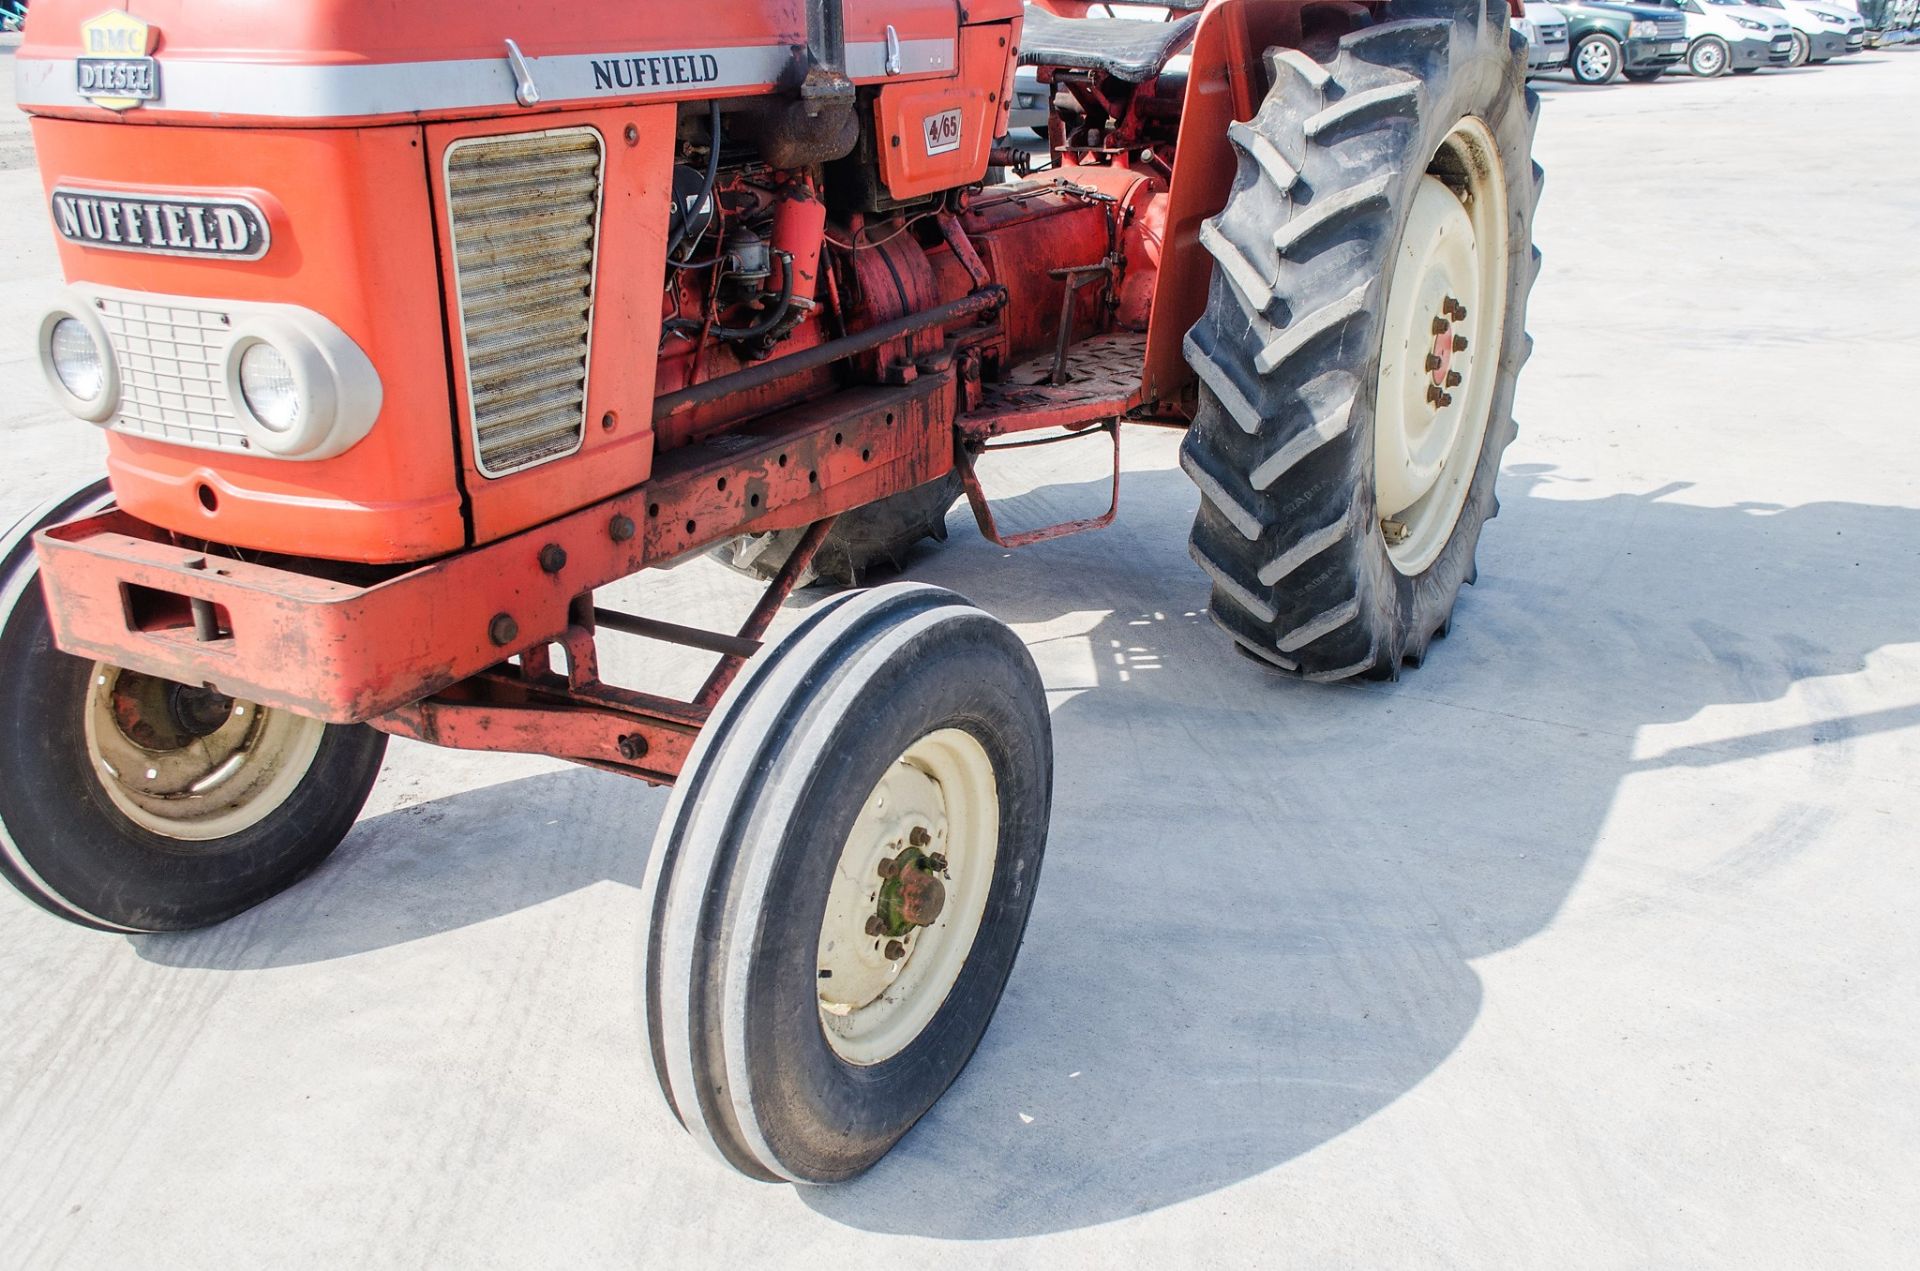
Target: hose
x,y
706,190
773,315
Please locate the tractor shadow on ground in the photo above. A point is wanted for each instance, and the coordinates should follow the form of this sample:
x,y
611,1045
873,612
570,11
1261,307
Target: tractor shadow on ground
x,y
1263,899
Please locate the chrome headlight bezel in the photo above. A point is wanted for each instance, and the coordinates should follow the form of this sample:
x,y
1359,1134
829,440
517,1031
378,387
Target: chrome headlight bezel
x,y
99,408
1643,29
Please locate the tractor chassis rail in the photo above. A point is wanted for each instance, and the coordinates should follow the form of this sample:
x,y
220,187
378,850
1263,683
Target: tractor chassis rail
x,y
300,636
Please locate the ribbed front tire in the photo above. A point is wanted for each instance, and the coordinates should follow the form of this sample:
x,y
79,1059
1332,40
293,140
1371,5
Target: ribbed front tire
x,y
1289,353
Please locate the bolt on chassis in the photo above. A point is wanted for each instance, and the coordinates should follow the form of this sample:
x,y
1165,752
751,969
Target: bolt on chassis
x,y
401,355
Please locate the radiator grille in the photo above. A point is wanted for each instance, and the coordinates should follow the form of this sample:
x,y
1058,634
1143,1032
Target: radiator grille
x,y
172,378
1672,27
525,214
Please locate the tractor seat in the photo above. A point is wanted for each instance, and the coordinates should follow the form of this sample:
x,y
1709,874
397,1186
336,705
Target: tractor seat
x,y
1120,47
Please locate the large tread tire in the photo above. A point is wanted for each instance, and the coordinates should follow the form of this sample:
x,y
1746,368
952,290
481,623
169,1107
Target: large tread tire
x,y
747,849
878,538
1288,352
63,843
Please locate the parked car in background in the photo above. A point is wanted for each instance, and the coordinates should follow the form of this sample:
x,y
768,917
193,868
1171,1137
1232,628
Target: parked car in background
x,y
1610,40
1545,28
1820,29
1731,35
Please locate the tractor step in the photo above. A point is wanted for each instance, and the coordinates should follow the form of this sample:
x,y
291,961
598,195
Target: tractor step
x,y
1102,381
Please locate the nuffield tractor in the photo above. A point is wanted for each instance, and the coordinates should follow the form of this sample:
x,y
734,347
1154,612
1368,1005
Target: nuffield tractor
x,y
409,327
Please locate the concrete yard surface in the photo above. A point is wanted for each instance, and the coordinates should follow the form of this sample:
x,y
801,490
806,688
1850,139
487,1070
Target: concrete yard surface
x,y
1594,942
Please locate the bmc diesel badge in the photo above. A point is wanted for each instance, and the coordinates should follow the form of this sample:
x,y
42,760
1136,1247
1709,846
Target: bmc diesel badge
x,y
116,69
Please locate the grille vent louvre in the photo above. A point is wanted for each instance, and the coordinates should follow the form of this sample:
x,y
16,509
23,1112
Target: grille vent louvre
x,y
525,215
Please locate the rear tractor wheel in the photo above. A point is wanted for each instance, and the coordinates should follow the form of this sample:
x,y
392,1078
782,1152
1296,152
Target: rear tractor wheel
x,y
842,879
877,538
1361,342
133,803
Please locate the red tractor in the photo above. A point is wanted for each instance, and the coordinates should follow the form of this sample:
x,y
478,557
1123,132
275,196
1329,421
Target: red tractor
x,y
409,327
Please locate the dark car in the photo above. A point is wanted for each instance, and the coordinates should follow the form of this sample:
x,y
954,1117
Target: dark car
x,y
1634,40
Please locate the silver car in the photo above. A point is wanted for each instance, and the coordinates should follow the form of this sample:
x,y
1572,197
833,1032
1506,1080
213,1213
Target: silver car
x,y
1545,29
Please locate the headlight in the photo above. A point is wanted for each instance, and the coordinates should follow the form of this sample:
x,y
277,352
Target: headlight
x,y
268,388
1831,19
78,361
1643,30
1751,25
301,387
1525,28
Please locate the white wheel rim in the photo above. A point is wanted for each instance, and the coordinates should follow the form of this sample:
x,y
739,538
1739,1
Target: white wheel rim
x,y
1706,60
1440,353
940,794
223,772
1596,59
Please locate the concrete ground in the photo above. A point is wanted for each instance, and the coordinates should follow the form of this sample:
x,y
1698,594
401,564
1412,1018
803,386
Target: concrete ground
x,y
1592,943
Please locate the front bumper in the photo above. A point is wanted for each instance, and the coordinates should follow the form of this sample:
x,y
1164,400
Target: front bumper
x,y
1780,50
1827,44
1744,53
1548,55
1644,55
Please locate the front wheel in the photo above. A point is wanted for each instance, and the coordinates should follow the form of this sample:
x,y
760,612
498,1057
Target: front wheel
x,y
842,879
1802,48
1596,59
1707,58
130,802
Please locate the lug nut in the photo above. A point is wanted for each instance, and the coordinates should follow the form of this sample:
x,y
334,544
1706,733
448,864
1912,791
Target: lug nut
x,y
1434,394
936,864
1433,361
895,950
889,867
875,927
1453,379
1446,399
919,837
1459,344
1439,326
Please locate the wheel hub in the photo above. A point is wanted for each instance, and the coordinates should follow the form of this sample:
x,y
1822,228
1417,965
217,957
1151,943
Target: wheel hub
x,y
1445,298
907,896
188,762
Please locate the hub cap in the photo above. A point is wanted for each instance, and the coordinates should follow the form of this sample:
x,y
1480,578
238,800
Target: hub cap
x,y
907,896
190,763
1439,358
1706,59
1596,60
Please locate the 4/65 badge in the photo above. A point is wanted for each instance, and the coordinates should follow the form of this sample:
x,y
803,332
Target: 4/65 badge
x,y
116,68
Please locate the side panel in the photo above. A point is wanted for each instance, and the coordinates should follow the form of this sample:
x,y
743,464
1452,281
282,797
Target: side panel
x,y
936,135
618,448
351,240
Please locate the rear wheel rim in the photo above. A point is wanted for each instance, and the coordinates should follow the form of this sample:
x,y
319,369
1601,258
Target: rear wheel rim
x,y
190,764
937,809
1440,358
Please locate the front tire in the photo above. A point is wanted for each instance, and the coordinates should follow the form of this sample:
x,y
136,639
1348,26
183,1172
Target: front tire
x,y
1596,59
1382,210
842,879
1646,76
132,803
1802,47
1708,57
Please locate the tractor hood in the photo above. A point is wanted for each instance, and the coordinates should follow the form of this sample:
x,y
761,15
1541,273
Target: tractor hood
x,y
157,60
